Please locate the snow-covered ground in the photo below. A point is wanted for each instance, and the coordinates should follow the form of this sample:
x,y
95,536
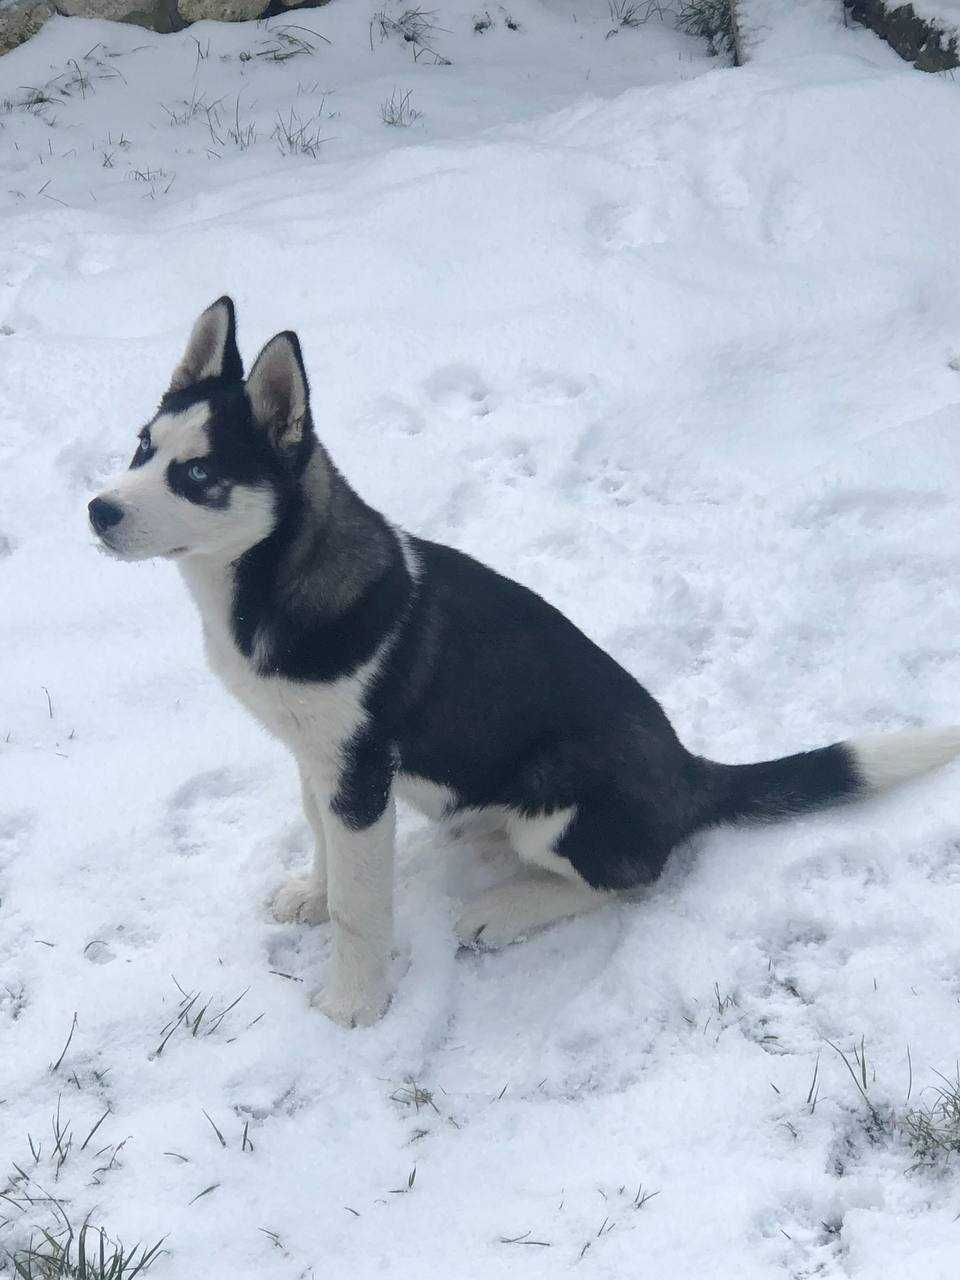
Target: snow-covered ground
x,y
671,343
944,12
788,28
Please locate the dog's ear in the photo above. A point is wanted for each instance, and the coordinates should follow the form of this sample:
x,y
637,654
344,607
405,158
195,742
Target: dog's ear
x,y
279,394
212,351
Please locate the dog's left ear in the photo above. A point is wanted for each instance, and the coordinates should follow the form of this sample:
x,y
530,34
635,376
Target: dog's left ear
x,y
279,394
212,351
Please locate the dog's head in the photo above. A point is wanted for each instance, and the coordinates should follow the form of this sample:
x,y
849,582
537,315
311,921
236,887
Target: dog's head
x,y
216,465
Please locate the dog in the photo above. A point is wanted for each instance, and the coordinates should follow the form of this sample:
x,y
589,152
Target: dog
x,y
396,667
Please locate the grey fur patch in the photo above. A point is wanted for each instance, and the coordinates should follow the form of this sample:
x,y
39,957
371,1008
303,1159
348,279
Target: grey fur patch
x,y
338,551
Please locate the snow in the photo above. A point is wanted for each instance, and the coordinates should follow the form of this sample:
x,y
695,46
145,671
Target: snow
x,y
770,28
671,343
944,13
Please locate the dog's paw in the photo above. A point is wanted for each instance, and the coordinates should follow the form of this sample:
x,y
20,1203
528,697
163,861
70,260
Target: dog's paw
x,y
300,899
351,1008
485,925
515,910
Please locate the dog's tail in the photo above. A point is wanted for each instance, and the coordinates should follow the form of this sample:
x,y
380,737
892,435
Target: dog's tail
x,y
830,775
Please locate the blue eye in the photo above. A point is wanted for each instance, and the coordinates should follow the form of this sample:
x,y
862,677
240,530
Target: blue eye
x,y
145,444
198,474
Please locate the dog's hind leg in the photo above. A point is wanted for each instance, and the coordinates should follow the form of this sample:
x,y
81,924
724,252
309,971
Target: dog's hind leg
x,y
551,890
512,910
304,898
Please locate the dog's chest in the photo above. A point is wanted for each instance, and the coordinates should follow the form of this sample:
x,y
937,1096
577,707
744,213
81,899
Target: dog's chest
x,y
313,718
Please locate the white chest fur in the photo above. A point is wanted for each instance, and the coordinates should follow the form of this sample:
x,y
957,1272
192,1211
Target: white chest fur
x,y
313,718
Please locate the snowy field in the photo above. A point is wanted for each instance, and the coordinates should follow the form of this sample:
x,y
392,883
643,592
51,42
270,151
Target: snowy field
x,y
675,344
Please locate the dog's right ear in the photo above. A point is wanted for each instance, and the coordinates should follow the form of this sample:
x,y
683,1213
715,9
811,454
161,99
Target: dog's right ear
x,y
212,351
280,396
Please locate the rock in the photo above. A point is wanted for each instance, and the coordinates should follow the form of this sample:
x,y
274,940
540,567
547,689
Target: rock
x,y
928,46
157,15
221,10
21,20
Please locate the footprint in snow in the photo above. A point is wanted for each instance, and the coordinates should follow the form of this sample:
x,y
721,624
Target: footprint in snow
x,y
459,390
498,461
97,951
390,413
516,460
205,813
805,1230
298,955
850,864
940,863
84,466
15,826
111,941
283,952
790,216
869,507
558,544
615,226
547,386
13,1000
609,480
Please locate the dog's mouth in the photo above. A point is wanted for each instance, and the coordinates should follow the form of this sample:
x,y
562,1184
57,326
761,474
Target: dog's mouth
x,y
108,548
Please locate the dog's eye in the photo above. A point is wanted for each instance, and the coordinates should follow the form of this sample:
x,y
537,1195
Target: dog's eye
x,y
198,474
145,443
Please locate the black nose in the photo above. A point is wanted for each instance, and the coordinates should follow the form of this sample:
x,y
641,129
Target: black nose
x,y
104,515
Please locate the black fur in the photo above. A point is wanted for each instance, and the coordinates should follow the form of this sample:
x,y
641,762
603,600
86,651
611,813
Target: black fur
x,y
368,770
212,492
493,693
778,788
489,691
144,450
311,644
232,367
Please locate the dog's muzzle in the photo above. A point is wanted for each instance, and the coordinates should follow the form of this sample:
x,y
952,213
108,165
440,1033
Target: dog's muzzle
x,y
104,515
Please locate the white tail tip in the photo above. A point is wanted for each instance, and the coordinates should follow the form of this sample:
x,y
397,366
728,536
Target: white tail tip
x,y
888,758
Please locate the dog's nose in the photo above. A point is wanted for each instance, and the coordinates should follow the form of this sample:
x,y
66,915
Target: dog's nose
x,y
104,515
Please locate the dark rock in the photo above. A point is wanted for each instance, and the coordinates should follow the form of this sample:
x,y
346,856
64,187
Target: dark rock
x,y
916,39
20,21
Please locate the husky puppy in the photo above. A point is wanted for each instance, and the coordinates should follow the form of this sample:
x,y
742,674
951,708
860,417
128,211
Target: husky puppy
x,y
392,666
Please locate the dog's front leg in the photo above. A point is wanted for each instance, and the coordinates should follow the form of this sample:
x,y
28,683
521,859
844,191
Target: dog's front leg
x,y
359,823
304,897
360,900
